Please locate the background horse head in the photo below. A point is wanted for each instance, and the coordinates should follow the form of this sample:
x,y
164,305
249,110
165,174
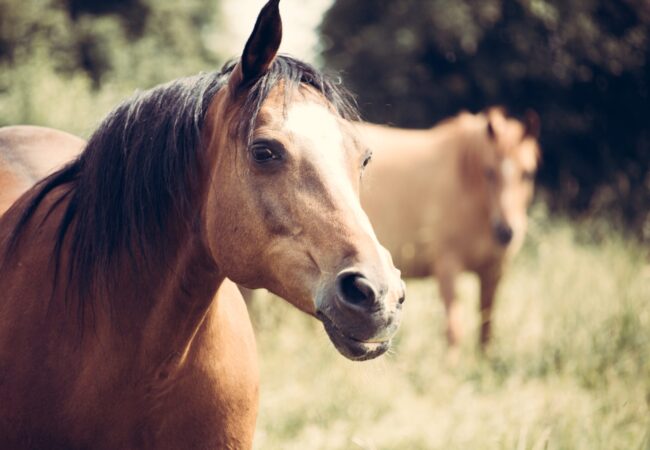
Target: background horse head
x,y
502,165
252,174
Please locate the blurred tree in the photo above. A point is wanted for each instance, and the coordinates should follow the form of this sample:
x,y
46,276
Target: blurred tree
x,y
107,38
65,63
582,64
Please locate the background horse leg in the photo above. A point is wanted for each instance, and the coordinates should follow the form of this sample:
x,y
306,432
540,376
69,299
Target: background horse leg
x,y
489,278
446,271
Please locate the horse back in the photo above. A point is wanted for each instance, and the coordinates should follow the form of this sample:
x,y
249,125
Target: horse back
x,y
29,153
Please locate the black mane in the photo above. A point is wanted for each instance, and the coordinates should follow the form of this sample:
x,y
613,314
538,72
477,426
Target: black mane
x,y
141,169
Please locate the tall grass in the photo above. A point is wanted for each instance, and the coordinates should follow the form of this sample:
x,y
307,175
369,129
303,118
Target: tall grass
x,y
569,367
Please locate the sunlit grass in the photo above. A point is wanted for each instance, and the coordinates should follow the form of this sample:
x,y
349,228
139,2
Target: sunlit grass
x,y
569,367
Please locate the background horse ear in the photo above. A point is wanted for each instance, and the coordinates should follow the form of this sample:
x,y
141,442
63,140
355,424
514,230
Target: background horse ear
x,y
495,115
490,129
532,123
261,47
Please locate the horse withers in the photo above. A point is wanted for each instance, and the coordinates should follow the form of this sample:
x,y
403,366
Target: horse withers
x,y
118,327
453,198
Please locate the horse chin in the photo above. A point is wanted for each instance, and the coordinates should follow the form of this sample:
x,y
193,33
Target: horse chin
x,y
352,348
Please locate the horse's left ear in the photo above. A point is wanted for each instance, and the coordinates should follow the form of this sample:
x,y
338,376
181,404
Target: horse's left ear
x,y
260,49
490,129
532,123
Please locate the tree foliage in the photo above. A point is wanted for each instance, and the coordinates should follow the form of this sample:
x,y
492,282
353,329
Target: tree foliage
x,y
582,64
105,38
92,52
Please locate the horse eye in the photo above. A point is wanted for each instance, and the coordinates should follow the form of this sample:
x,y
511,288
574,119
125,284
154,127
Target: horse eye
x,y
528,175
262,154
366,161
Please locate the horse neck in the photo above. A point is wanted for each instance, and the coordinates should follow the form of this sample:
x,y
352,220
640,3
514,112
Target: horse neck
x,y
156,307
178,305
191,275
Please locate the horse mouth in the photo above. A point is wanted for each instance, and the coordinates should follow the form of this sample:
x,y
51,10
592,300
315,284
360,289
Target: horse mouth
x,y
350,347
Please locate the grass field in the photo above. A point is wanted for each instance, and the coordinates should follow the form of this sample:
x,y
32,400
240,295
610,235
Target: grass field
x,y
569,367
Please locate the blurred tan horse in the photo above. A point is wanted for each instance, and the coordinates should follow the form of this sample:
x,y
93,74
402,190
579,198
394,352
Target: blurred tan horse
x,y
453,198
29,153
118,325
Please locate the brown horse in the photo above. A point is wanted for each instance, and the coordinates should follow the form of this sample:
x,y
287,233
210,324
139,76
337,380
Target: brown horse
x,y
118,328
453,198
29,153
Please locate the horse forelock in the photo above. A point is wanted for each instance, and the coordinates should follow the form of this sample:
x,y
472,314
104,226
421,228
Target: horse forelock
x,y
492,136
292,75
510,134
140,176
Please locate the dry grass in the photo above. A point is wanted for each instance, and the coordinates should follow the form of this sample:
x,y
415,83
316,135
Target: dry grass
x,y
569,368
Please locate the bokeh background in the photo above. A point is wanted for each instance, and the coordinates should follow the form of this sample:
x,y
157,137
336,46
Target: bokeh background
x,y
570,363
581,64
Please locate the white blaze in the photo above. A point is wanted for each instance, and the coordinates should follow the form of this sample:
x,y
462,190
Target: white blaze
x,y
508,168
314,122
318,131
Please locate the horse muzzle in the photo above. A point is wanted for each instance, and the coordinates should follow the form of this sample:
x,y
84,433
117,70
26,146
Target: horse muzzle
x,y
360,313
503,233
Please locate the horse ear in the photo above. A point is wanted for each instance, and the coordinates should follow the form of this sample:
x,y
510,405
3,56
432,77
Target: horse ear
x,y
490,129
532,123
494,114
261,47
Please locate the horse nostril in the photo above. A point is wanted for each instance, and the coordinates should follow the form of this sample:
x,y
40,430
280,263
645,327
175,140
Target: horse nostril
x,y
503,233
356,289
402,297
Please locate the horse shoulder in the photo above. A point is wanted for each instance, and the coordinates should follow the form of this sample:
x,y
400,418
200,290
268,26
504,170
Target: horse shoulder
x,y
222,377
457,206
206,398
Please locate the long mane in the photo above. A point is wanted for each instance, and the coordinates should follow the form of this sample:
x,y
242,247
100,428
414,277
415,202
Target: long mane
x,y
140,172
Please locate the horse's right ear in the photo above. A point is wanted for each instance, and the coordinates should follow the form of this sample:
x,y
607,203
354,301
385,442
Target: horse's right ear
x,y
490,129
260,49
